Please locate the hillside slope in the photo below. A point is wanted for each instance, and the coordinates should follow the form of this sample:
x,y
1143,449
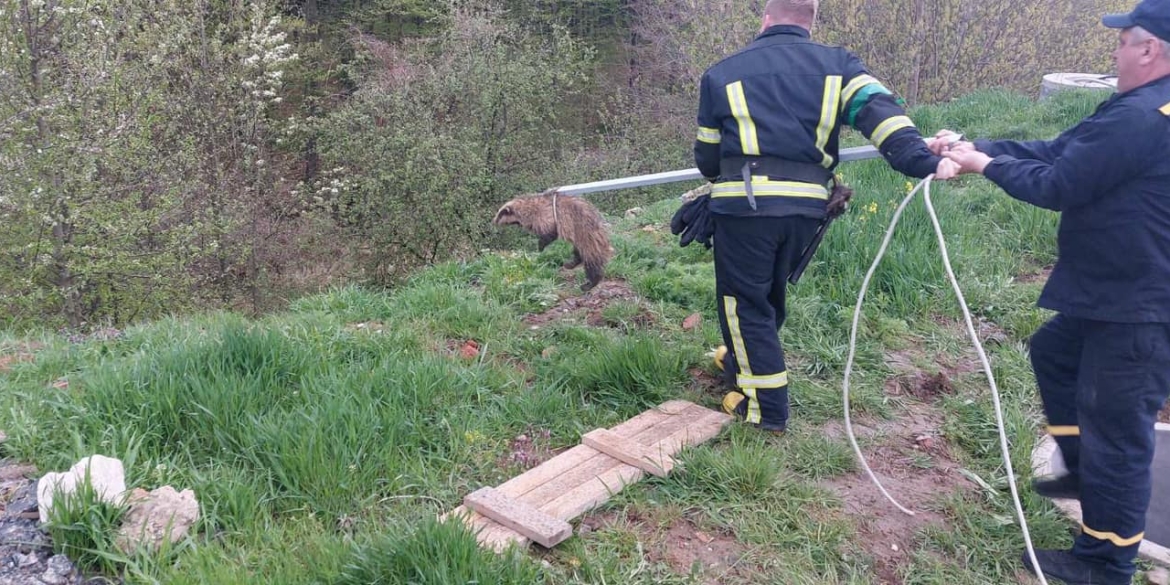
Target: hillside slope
x,y
322,441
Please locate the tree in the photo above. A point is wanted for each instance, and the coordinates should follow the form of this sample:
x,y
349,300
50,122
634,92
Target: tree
x,y
128,144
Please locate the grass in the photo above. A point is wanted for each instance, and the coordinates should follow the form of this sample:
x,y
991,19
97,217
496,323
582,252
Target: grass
x,y
321,451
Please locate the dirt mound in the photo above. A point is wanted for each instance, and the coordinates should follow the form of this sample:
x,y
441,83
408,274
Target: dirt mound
x,y
592,306
927,376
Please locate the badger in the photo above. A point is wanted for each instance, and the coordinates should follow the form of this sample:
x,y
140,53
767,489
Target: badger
x,y
550,215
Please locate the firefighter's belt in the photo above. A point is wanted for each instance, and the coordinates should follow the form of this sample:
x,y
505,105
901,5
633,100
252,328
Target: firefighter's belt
x,y
732,167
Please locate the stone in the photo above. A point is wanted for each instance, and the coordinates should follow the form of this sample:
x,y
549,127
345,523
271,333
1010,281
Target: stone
x,y
106,475
161,515
1158,576
22,501
59,570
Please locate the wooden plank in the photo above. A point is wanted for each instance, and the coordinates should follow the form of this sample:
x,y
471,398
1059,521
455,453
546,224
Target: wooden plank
x,y
643,421
581,455
668,426
516,515
547,471
592,477
577,501
589,468
593,493
488,532
555,488
702,429
564,470
627,451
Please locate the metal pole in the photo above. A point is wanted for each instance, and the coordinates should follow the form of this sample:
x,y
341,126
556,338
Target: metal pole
x,y
846,155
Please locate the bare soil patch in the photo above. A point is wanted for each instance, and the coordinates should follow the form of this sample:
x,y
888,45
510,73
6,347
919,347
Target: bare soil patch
x,y
911,458
590,306
927,375
705,382
1032,277
712,555
924,378
528,449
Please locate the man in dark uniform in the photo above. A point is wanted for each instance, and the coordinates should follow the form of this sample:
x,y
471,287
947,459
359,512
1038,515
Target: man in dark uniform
x,y
769,119
1103,362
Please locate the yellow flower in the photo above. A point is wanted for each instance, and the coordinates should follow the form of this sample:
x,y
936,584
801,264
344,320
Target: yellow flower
x,y
909,186
872,207
472,437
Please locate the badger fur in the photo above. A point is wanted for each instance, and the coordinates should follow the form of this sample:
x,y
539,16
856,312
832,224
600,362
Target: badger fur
x,y
575,220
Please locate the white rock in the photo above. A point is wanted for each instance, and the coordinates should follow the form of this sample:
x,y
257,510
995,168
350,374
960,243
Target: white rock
x,y
1158,576
155,517
105,475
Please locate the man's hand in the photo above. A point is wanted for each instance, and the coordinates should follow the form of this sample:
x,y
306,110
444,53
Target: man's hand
x,y
947,169
967,158
943,141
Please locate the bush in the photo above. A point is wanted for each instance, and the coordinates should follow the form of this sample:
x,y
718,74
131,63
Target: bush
x,y
440,133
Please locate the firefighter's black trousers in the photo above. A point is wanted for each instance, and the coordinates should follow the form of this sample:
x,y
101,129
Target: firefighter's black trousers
x,y
753,258
1102,385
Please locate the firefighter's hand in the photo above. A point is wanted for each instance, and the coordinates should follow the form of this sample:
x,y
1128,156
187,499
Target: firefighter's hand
x,y
943,141
968,159
947,169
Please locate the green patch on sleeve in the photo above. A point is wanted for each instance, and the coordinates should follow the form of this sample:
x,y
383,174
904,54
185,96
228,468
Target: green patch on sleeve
x,y
862,97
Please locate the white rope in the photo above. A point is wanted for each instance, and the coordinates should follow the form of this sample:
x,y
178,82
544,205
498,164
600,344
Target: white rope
x,y
978,347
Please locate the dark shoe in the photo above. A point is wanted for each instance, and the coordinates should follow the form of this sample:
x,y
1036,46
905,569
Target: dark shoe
x,y
1065,487
735,404
1070,569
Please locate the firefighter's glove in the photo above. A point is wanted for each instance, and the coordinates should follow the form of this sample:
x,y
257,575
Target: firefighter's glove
x,y
838,200
693,221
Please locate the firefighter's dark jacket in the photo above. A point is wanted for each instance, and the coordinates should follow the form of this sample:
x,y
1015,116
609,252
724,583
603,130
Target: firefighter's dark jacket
x,y
787,97
1109,177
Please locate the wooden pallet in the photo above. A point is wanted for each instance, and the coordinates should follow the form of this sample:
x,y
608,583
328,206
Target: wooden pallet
x,y
537,505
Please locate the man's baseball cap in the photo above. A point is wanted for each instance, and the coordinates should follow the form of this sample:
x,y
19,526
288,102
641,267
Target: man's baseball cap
x,y
1152,15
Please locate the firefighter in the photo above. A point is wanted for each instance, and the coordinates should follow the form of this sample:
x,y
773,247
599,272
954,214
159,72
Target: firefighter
x,y
1102,364
769,119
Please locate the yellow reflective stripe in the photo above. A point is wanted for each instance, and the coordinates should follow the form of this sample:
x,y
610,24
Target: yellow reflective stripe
x,y
748,141
1064,431
1165,109
1113,537
729,307
885,129
763,187
753,409
709,135
855,84
766,382
830,104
